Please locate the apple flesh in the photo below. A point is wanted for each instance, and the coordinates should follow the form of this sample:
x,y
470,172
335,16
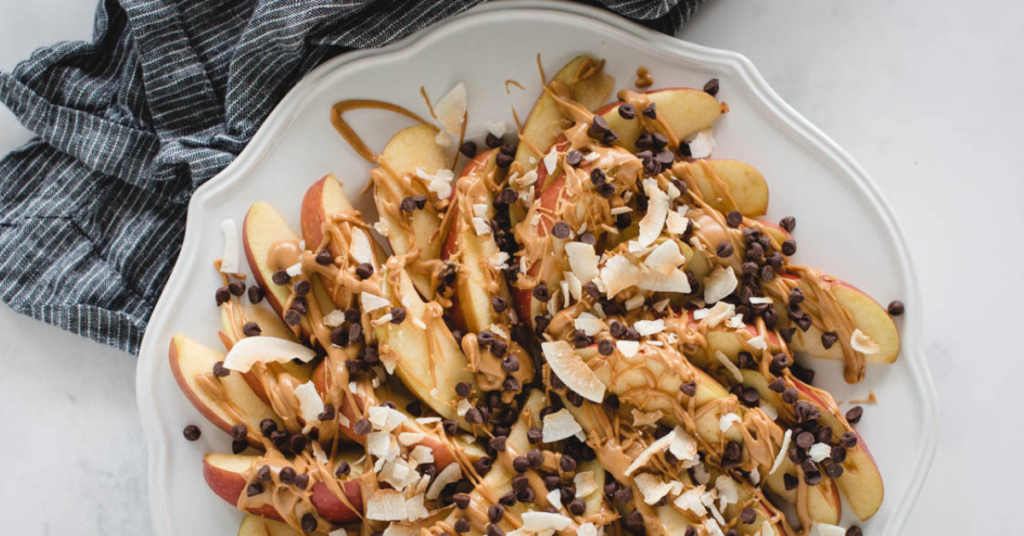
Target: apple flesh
x,y
686,110
261,526
263,229
225,475
189,361
746,185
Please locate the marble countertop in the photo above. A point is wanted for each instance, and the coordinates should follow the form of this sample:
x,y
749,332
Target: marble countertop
x,y
923,94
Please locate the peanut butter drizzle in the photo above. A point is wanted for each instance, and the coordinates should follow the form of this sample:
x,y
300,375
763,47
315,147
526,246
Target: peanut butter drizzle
x,y
643,78
508,91
350,136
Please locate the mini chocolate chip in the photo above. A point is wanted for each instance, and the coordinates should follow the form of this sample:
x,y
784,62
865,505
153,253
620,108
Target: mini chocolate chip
x,y
298,443
605,347
623,221
779,362
253,489
420,200
660,141
287,475
526,496
220,371
255,294
848,440
573,158
689,388
567,463
650,111
790,481
511,384
577,507
493,141
626,111
787,334
607,190
751,396
267,427
598,176
463,389
690,531
223,295
251,329
468,149
462,525
581,339
611,403
541,323
665,158
724,250
788,223
408,205
339,336
804,323
711,88
239,431
483,465
352,315
749,267
552,482
508,196
397,315
588,238
624,494
635,518
684,148
308,523
302,288
485,338
450,427
834,470
541,293
362,427
854,531
504,160
748,515
734,218
732,452
778,385
495,513
534,435
561,230
812,478
755,251
789,395
610,137
804,440
461,500
300,305
510,364
498,443
644,141
535,457
632,334
896,308
789,247
473,416
520,483
192,432
364,270
828,339
292,318
279,438
237,288
302,481
598,126
853,416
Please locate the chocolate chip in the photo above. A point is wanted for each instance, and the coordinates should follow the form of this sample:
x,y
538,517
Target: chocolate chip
x,y
362,427
607,190
493,141
298,443
805,440
684,148
300,305
605,347
788,223
251,329
690,531
896,308
495,513
789,247
462,525
626,111
552,482
223,295
610,137
828,339
597,176
561,230
220,371
777,385
660,141
732,451
526,496
236,288
650,111
420,200
834,470
192,432
779,362
755,251
734,218
541,293
622,221
534,435
463,389
812,478
665,158
635,518
790,481
689,388
398,315
473,416
461,500
352,315
724,250
789,395
483,465
302,481
581,339
578,507
749,267
468,149
364,270
644,141
535,457
853,416
748,515
239,431
255,294
573,158
541,323
624,494
567,463
751,396
597,128
848,440
804,323
267,427
503,160
279,438
711,88
854,531
292,318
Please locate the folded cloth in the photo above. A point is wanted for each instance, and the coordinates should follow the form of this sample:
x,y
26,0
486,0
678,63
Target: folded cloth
x,y
92,210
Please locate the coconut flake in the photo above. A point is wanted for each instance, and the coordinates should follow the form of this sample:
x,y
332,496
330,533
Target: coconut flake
x,y
768,409
588,529
451,109
251,350
372,302
338,532
824,529
449,475
757,343
783,451
378,444
386,505
496,127
585,483
665,258
721,311
760,300
863,344
628,348
647,328
618,274
729,365
728,491
643,418
481,226
690,500
657,210
683,446
551,161
582,260
700,472
654,448
570,368
360,247
721,283
819,451
310,403
676,222
702,145
559,425
385,418
229,258
660,306
541,521
621,210
554,498
463,407
334,318
589,324
725,421
415,508
421,454
294,270
701,314
651,487
411,438
676,281
428,420
499,260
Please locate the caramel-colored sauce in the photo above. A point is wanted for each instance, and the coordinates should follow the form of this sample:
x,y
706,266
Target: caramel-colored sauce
x,y
349,134
643,78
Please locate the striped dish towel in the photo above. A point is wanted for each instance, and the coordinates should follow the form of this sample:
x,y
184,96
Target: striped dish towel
x,y
92,210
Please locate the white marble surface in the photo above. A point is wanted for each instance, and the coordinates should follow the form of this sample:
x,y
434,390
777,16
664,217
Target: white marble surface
x,y
923,93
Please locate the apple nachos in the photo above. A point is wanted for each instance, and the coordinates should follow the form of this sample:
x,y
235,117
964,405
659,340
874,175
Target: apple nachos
x,y
587,328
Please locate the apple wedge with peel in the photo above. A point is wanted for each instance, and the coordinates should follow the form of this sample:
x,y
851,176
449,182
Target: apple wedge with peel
x,y
727,185
409,150
686,111
225,474
425,355
587,84
261,526
265,228
192,366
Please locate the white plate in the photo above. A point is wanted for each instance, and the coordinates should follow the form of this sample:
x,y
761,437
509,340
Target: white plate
x,y
845,227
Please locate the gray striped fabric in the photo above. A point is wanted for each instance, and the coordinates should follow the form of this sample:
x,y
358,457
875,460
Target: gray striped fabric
x,y
92,210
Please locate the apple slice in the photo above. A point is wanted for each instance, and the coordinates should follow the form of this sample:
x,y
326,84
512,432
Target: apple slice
x,y
588,85
192,367
686,111
408,150
261,526
720,180
548,269
427,359
225,474
325,198
265,230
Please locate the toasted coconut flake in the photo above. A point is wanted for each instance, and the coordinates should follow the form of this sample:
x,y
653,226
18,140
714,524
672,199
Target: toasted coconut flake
x,y
411,438
310,403
528,179
646,328
760,300
360,249
728,491
725,421
700,472
480,210
755,476
863,344
463,407
676,222
628,348
654,448
496,127
449,475
415,508
318,453
621,210
340,532
422,454
382,228
378,444
481,226
735,322
635,302
651,487
582,260
783,451
499,260
428,420
294,270
372,302
229,258
676,281
643,418
541,521
729,365
657,210
451,109
819,451
768,409
702,145
554,497
250,350
585,483
713,525
720,284
661,305
570,368
575,287
551,161
720,312
683,446
701,314
690,500
824,529
334,318
665,258
589,324
386,505
385,418
442,139
587,529
757,343
559,425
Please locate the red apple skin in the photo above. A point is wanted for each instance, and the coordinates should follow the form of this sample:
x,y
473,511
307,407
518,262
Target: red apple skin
x,y
312,213
191,395
258,276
